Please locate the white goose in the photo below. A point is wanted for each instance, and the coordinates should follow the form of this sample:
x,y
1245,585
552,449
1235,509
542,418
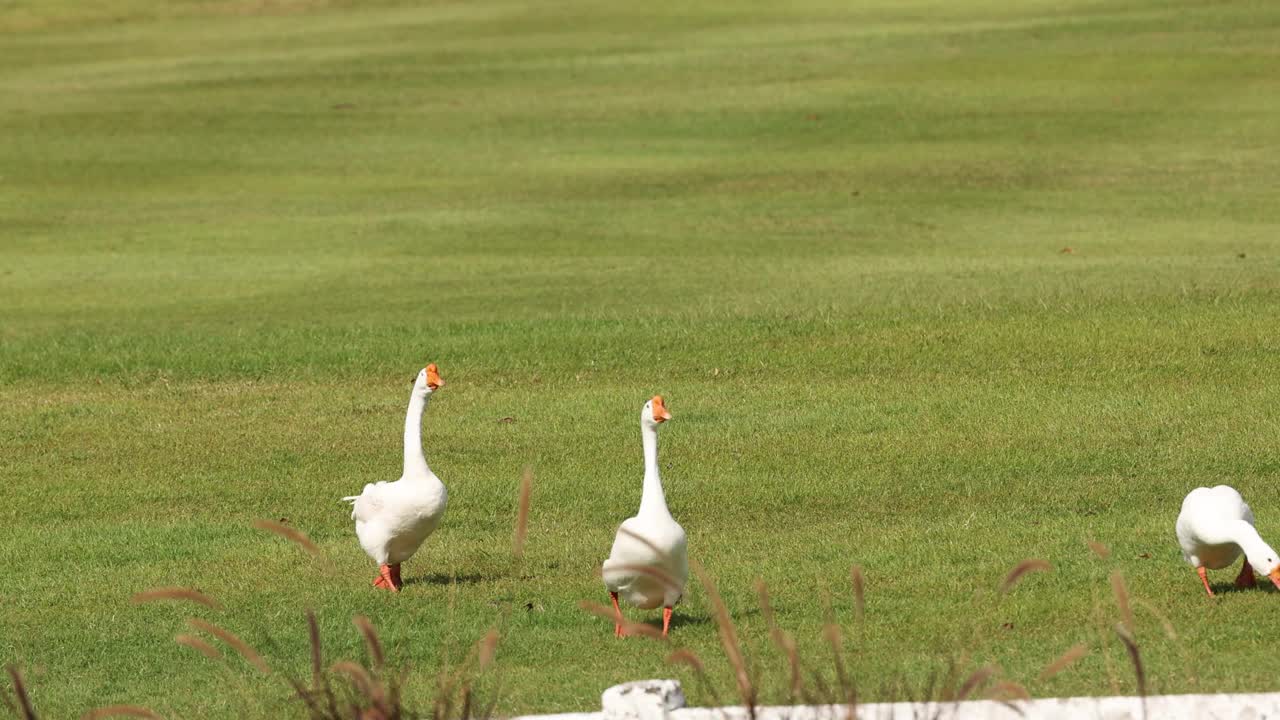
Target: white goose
x,y
1214,527
649,563
394,518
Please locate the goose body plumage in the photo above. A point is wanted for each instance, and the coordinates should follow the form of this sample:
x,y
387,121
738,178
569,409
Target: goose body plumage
x,y
393,519
1215,527
648,565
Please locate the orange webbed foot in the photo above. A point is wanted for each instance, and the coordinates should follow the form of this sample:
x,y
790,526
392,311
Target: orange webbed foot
x,y
388,578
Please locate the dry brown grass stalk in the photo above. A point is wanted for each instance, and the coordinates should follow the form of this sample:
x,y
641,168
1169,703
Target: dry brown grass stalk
x,y
1135,657
859,593
1099,549
660,575
728,638
300,691
318,680
831,632
1020,570
796,665
363,683
783,642
461,678
24,709
975,681
522,513
121,711
199,645
766,609
952,688
313,636
835,638
1122,600
685,656
1065,660
629,627
360,678
487,649
293,535
643,541
1100,624
176,593
365,626
230,638
1008,690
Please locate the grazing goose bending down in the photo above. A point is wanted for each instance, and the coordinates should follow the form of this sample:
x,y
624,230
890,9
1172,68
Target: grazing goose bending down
x,y
1215,527
649,563
394,518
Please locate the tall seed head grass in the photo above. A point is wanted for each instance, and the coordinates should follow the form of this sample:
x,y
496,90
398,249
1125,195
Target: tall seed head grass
x,y
22,708
1022,569
1063,661
198,645
521,530
1121,593
728,638
293,535
240,646
371,641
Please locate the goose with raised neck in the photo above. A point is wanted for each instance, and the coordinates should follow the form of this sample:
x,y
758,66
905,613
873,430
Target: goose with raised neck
x,y
394,518
1214,528
648,565
415,459
652,499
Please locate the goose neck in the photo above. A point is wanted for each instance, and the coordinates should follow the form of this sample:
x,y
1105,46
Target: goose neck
x,y
1246,536
653,499
415,462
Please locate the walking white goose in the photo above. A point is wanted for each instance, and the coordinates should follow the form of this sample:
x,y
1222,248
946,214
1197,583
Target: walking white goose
x,y
394,518
1214,528
649,563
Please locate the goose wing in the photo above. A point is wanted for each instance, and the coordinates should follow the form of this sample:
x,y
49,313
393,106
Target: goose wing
x,y
369,503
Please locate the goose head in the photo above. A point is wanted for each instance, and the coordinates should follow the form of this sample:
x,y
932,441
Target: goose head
x,y
654,412
1265,561
428,380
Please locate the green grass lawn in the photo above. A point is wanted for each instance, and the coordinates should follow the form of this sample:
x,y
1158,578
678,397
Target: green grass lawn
x,y
832,235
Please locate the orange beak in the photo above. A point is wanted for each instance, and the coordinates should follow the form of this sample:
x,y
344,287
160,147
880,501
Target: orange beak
x,y
1275,576
660,413
433,377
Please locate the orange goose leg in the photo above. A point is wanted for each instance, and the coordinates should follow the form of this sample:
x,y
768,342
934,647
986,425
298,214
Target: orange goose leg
x,y
617,624
1204,578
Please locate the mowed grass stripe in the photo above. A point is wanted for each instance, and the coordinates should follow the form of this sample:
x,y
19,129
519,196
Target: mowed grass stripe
x,y
831,235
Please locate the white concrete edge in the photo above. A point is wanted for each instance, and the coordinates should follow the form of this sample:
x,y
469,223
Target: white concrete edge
x,y
664,700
